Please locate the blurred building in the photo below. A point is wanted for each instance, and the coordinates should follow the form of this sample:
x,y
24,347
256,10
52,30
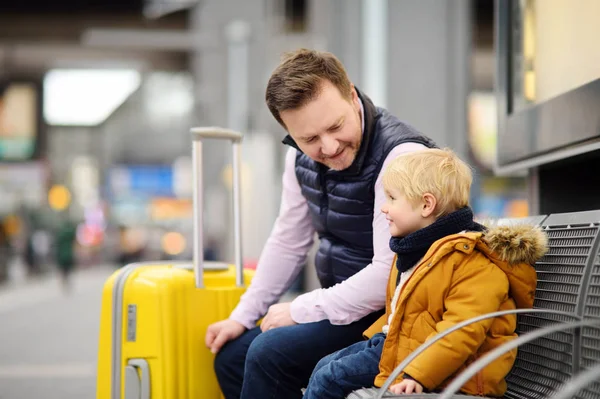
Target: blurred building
x,y
109,89
97,97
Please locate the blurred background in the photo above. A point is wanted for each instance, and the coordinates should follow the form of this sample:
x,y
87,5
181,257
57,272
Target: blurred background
x,y
97,98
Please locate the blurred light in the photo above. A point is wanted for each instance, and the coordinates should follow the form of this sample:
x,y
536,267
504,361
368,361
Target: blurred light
x,y
482,134
529,50
95,216
155,9
173,243
168,95
85,181
183,177
170,209
517,208
134,239
86,97
89,235
245,175
59,197
12,225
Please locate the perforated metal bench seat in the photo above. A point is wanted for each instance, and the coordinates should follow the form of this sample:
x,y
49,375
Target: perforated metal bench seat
x,y
568,281
371,393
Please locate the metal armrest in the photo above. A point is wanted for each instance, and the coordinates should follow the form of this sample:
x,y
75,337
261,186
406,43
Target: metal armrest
x,y
489,357
581,381
390,380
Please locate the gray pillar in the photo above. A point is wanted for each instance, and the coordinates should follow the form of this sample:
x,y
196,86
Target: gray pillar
x,y
238,35
375,50
429,57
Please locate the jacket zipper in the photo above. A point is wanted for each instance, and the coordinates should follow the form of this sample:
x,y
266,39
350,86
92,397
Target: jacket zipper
x,y
423,261
479,378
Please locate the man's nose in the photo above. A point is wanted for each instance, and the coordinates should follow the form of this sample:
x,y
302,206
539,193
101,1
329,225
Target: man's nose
x,y
329,146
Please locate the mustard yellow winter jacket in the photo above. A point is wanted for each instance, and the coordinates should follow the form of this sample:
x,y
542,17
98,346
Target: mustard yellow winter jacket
x,y
462,276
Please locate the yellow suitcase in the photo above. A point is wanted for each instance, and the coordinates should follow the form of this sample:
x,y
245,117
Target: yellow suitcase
x,y
154,315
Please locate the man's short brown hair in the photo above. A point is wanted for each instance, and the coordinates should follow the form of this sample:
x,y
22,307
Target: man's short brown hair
x,y
298,79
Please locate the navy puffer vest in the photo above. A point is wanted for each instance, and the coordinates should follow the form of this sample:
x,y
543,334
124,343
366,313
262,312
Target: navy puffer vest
x,y
341,202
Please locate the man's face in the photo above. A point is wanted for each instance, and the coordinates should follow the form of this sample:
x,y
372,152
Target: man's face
x,y
328,128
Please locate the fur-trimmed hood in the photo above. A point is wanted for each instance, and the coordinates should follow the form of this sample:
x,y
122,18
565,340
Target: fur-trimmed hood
x,y
516,244
515,249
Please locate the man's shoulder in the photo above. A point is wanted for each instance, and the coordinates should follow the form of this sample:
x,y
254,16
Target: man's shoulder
x,y
392,129
387,120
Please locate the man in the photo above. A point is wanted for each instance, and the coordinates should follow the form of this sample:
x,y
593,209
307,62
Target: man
x,y
340,144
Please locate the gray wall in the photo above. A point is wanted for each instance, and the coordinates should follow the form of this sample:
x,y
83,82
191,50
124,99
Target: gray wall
x,y
428,58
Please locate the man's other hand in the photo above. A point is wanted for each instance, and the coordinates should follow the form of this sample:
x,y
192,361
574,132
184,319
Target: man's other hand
x,y
278,316
221,332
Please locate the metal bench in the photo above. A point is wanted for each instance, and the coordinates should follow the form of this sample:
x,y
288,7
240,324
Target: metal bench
x,y
568,286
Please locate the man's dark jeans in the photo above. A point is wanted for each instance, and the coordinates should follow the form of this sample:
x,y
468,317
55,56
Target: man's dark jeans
x,y
277,364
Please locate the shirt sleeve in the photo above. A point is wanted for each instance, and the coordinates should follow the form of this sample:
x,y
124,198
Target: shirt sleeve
x,y
284,254
357,296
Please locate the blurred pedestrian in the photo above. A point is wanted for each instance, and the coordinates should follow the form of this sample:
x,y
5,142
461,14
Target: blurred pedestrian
x,y
5,253
65,251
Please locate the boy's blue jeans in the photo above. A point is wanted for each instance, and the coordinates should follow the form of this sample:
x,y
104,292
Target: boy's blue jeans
x,y
346,370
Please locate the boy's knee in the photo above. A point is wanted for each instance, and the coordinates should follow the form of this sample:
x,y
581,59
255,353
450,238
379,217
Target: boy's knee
x,y
322,363
322,379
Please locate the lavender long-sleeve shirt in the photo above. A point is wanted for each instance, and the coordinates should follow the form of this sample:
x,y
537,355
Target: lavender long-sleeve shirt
x,y
285,252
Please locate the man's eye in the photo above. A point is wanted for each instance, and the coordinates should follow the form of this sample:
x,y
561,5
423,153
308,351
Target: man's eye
x,y
310,140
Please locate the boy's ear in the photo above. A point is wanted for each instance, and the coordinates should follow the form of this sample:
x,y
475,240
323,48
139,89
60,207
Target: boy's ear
x,y
428,205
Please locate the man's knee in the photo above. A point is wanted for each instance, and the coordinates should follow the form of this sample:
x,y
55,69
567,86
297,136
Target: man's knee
x,y
228,359
262,349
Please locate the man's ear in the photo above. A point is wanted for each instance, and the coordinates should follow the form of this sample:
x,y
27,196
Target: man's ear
x,y
428,205
354,96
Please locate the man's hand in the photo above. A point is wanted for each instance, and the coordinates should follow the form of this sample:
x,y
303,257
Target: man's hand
x,y
407,386
221,332
278,316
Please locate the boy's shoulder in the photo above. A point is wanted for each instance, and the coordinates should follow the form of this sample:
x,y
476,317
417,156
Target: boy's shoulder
x,y
465,242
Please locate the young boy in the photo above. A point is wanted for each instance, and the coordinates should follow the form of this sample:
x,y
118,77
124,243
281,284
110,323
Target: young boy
x,y
448,269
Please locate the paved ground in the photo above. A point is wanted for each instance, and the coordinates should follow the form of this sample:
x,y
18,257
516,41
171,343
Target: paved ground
x,y
48,337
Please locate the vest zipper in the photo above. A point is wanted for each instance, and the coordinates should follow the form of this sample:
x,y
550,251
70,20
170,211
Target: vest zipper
x,y
324,201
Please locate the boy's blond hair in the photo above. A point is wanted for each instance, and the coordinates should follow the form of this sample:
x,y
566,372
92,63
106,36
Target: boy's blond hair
x,y
438,172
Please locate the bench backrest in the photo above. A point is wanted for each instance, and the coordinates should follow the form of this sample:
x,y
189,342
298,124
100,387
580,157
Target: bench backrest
x,y
568,280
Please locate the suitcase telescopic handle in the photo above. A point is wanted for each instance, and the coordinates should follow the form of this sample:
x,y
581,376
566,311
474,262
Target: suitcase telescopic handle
x,y
198,134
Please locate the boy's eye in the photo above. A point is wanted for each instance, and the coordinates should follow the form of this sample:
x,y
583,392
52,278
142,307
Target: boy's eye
x,y
310,139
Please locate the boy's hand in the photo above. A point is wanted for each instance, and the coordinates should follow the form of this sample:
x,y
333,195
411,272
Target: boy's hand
x,y
407,386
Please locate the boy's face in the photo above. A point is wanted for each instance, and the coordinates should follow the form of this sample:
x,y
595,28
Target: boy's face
x,y
328,128
403,217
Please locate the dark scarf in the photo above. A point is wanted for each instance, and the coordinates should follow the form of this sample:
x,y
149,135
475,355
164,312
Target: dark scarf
x,y
414,246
